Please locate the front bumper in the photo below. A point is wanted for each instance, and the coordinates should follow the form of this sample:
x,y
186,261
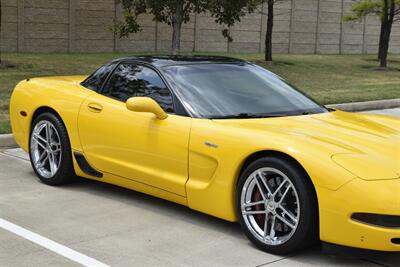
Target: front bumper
x,y
359,196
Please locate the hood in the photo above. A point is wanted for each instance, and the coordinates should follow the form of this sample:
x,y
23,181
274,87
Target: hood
x,y
374,139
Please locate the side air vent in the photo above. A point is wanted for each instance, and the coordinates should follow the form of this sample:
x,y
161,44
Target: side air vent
x,y
387,221
85,167
396,241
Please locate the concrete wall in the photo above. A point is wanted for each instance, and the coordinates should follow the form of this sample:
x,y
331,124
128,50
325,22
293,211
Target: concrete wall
x,y
301,26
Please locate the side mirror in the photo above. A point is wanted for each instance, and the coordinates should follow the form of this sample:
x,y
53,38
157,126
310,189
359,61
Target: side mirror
x,y
146,104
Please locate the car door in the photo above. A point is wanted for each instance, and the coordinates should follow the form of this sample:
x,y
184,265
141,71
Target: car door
x,y
135,145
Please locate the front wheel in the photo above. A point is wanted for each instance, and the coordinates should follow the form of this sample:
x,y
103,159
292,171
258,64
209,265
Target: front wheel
x,y
50,151
276,206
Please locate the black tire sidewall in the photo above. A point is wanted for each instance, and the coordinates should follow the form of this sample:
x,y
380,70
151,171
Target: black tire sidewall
x,y
65,171
307,229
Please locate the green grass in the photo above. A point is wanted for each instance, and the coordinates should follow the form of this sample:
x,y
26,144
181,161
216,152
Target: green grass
x,y
5,127
327,78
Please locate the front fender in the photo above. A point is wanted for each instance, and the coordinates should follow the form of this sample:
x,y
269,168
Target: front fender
x,y
217,154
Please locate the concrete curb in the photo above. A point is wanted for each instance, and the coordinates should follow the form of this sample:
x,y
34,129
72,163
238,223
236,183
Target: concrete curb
x,y
7,140
368,105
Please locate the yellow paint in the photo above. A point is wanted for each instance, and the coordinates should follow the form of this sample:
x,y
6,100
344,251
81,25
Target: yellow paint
x,y
135,145
353,160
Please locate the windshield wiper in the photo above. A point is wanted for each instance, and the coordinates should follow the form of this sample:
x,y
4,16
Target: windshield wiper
x,y
248,116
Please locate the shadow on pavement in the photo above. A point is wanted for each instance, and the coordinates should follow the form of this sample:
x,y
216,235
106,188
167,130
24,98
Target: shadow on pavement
x,y
310,257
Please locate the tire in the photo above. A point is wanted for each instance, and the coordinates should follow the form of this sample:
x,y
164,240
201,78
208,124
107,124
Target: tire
x,y
58,151
259,209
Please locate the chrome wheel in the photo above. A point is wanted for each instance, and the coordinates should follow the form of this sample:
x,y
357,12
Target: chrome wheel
x,y
270,206
45,145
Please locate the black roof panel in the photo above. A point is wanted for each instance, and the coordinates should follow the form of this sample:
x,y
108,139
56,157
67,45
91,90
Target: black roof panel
x,y
162,61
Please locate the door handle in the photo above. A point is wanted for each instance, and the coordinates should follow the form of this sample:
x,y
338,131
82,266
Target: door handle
x,y
94,107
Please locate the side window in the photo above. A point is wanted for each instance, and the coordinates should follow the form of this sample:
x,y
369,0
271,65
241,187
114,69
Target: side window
x,y
129,80
96,80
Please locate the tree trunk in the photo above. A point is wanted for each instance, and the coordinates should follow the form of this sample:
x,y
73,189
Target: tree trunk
x,y
380,49
177,21
176,38
268,35
385,46
387,23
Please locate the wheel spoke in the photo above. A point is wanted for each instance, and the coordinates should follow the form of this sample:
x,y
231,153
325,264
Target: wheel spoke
x,y
41,158
288,213
37,135
38,139
253,212
266,227
53,136
264,182
285,193
280,187
47,129
264,189
40,164
260,188
251,204
272,231
52,164
282,219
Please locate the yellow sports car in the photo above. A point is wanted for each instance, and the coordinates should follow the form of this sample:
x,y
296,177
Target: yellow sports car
x,y
224,137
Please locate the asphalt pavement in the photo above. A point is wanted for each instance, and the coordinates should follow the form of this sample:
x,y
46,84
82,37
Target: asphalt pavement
x,y
91,223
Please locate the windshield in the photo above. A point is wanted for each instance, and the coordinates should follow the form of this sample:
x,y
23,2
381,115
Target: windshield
x,y
236,90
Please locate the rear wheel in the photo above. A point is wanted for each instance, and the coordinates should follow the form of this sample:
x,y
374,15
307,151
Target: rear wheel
x,y
276,206
50,151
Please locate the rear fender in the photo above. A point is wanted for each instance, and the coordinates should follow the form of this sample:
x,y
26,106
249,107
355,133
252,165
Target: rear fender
x,y
31,95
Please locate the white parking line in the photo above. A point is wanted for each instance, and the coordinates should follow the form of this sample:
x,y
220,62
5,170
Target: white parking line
x,y
51,245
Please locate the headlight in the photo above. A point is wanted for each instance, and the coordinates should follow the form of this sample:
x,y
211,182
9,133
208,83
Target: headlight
x,y
366,167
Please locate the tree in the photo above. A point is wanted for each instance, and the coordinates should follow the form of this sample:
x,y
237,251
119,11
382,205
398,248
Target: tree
x,y
250,6
240,9
388,11
177,12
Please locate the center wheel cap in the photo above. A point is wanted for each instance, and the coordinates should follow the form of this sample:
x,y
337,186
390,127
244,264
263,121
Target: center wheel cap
x,y
270,206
